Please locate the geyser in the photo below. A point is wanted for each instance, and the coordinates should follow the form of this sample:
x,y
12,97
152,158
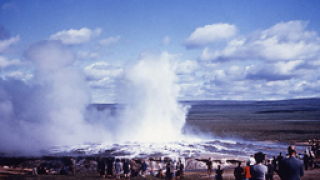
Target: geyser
x,y
150,91
51,110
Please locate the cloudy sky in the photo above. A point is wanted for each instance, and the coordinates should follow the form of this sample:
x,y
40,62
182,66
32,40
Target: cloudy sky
x,y
224,50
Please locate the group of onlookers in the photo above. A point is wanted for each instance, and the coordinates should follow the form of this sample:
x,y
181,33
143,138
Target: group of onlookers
x,y
135,167
260,168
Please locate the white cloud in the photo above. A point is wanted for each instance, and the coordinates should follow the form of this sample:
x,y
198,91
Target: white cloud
x,y
101,70
5,44
19,75
209,34
74,36
88,55
283,41
187,67
4,62
110,41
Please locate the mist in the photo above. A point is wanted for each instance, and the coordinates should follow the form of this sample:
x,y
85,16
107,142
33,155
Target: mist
x,y
52,110
149,90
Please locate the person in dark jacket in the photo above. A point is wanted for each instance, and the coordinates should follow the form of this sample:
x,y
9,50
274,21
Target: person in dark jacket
x,y
270,173
291,168
238,172
102,167
219,173
126,168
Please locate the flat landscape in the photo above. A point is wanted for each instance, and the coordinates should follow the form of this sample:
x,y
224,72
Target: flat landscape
x,y
260,130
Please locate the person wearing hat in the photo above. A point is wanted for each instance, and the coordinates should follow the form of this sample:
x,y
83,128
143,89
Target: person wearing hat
x,y
291,168
259,170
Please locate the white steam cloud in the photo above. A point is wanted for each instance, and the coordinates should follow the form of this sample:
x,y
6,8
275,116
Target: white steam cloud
x,y
53,109
152,113
50,112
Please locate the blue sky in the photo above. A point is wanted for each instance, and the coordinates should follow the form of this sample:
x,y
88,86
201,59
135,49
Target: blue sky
x,y
226,50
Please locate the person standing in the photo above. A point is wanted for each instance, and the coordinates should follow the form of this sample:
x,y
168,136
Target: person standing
x,y
71,166
238,172
291,168
219,173
311,161
110,162
144,169
306,161
117,167
259,170
209,166
102,167
246,171
181,168
271,169
172,170
126,168
133,168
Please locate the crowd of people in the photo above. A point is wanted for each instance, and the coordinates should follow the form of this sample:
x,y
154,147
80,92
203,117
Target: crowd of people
x,y
135,167
258,167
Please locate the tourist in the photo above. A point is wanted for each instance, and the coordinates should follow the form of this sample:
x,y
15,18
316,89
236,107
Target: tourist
x,y
126,169
117,168
306,161
152,168
316,153
72,166
110,162
238,172
258,171
252,160
219,173
178,170
42,169
143,169
278,161
168,174
270,173
102,167
181,168
291,168
246,171
172,170
209,166
311,159
160,174
133,168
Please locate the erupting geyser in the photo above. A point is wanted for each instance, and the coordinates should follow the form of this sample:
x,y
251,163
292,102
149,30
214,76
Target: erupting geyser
x,y
150,93
51,110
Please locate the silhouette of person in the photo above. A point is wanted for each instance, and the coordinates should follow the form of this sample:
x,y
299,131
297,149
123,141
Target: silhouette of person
x,y
110,166
181,168
126,169
71,166
219,173
209,166
291,168
270,173
306,161
311,160
238,172
102,167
